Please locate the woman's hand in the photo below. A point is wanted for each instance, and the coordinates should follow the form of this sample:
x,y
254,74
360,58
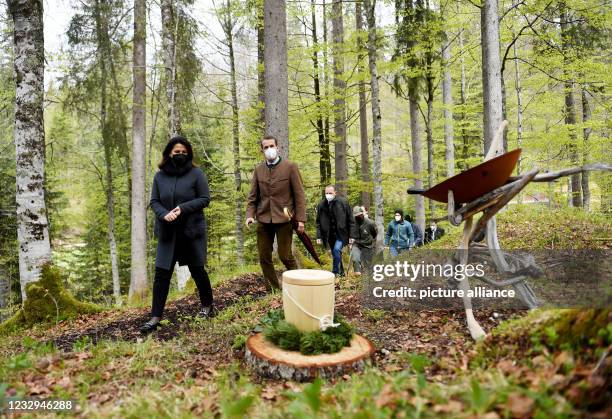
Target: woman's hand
x,y
173,215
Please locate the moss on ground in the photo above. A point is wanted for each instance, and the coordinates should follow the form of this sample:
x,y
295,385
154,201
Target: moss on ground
x,y
47,301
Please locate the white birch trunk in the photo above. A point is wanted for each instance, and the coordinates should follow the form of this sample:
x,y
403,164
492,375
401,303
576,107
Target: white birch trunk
x,y
370,6
29,135
138,280
275,74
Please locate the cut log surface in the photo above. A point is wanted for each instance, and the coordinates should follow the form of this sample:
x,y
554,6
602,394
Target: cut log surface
x,y
271,361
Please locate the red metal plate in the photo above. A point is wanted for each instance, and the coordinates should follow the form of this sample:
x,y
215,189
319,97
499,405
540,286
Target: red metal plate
x,y
477,181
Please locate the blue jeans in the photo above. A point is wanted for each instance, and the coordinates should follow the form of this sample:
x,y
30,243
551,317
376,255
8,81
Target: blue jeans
x,y
337,256
395,251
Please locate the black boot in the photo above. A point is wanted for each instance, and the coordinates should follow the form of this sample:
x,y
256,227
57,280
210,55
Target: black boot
x,y
207,312
149,327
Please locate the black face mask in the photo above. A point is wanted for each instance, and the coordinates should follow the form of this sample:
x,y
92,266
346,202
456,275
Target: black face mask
x,y
359,219
180,159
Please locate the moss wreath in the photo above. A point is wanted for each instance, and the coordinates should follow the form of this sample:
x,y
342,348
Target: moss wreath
x,y
287,336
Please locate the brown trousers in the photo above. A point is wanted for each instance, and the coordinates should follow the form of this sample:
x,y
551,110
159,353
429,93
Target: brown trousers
x,y
265,241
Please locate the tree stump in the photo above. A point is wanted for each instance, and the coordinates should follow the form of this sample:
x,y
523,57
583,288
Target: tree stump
x,y
271,361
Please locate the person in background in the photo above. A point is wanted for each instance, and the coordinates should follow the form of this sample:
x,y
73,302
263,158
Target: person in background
x,y
178,196
400,236
418,234
276,185
364,240
334,225
433,232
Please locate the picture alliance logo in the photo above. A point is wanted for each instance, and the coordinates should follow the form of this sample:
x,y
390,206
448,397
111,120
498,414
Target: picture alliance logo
x,y
412,271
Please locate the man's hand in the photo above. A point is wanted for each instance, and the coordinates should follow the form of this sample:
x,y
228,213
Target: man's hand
x,y
319,241
249,221
300,228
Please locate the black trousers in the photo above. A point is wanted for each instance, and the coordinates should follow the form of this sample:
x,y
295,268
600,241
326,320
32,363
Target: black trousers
x,y
161,286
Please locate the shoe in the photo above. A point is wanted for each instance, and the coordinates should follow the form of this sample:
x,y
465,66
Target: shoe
x,y
149,327
208,312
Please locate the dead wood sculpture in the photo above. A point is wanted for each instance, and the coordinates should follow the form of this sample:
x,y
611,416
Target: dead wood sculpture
x,y
490,202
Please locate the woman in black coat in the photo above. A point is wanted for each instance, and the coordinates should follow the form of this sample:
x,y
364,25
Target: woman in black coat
x,y
179,194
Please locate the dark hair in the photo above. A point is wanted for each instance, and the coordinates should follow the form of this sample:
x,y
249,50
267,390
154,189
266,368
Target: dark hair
x,y
400,212
177,139
408,218
268,137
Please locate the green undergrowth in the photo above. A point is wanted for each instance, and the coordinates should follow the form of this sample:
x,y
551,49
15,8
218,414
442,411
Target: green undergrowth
x,y
538,227
288,337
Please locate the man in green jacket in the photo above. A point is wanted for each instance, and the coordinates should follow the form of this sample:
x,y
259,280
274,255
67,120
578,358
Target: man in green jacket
x,y
364,235
400,236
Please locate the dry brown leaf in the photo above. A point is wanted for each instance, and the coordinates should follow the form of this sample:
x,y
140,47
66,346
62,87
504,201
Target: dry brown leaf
x,y
386,397
519,404
453,406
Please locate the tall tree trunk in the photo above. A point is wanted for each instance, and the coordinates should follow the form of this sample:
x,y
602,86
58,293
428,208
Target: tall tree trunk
x,y
326,93
104,49
447,100
519,106
491,71
339,101
138,281
363,118
324,158
228,27
169,17
570,106
261,82
462,98
430,142
586,132
29,135
5,289
519,111
370,6
417,150
275,73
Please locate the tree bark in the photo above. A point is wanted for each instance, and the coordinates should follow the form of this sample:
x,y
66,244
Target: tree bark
x,y
169,19
324,157
570,107
138,281
261,82
339,101
275,73
491,71
366,196
586,132
326,95
462,98
447,100
104,49
370,6
430,142
228,28
417,150
29,135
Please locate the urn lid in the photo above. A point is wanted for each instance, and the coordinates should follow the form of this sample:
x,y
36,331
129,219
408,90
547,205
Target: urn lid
x,y
308,277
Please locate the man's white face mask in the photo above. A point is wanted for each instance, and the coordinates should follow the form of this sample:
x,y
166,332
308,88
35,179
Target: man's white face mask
x,y
329,196
271,153
398,218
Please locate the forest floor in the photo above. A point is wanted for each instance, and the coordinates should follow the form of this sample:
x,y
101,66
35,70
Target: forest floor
x,y
426,364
